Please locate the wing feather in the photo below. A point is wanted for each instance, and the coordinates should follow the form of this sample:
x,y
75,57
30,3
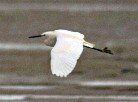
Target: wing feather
x,y
65,54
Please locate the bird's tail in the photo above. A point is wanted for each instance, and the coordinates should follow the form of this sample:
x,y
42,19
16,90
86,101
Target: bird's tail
x,y
87,44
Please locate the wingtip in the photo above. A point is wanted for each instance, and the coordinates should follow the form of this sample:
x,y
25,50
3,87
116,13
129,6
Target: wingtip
x,y
60,75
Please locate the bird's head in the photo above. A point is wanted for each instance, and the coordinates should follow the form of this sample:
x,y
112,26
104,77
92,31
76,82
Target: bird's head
x,y
48,33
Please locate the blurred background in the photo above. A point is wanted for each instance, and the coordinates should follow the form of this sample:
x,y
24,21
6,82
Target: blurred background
x,y
25,73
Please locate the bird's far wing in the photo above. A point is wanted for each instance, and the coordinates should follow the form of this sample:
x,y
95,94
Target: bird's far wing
x,y
65,54
50,41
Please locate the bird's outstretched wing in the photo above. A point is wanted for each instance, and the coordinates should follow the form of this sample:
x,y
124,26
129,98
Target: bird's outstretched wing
x,y
65,54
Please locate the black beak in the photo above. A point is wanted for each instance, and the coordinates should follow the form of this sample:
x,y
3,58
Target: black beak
x,y
36,36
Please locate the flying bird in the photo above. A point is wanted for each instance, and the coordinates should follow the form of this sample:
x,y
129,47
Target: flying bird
x,y
67,48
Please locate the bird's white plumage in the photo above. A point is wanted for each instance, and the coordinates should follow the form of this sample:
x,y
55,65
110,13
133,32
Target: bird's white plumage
x,y
66,52
68,46
69,33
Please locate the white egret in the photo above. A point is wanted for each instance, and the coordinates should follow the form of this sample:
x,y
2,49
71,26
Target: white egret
x,y
67,48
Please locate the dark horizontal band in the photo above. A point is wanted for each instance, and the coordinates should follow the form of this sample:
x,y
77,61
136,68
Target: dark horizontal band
x,y
35,36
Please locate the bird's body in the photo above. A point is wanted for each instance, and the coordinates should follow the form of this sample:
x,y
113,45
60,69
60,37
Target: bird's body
x,y
52,38
67,48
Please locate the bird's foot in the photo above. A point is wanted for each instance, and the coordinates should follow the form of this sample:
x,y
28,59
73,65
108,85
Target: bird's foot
x,y
106,50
